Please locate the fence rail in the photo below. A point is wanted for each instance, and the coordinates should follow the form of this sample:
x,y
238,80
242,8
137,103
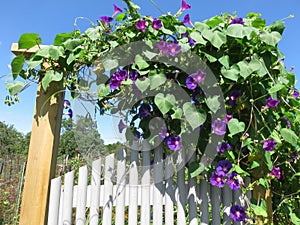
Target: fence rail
x,y
142,193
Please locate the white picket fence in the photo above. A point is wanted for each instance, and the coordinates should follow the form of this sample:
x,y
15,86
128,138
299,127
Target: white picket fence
x,y
138,194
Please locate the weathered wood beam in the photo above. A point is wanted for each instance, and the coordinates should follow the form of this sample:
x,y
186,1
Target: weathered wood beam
x,y
26,52
43,149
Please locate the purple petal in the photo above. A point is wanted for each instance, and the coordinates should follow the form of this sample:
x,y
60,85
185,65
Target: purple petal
x,y
141,25
237,21
185,6
217,179
174,143
237,213
223,167
233,181
66,104
156,24
116,10
272,103
121,126
276,172
106,19
144,110
269,144
187,20
219,127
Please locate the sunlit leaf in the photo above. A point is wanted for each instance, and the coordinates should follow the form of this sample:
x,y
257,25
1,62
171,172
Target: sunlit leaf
x,y
193,116
17,65
29,40
50,76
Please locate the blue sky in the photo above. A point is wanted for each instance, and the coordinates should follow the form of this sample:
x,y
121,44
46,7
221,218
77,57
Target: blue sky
x,y
48,18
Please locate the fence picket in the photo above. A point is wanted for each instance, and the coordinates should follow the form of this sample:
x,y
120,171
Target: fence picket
x,y
158,190
170,191
204,200
120,192
95,192
133,183
192,198
81,195
216,202
181,192
145,199
227,200
108,190
54,200
68,198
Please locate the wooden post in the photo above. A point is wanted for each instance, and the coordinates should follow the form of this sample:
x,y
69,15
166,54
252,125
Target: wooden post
x,y
43,148
259,193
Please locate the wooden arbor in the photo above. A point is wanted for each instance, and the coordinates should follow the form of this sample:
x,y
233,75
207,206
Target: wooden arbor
x,y
43,148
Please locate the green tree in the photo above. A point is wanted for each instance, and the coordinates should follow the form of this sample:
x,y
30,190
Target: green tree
x,y
88,138
81,136
11,141
68,144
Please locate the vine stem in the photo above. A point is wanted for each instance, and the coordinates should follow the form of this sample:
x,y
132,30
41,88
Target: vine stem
x,y
131,9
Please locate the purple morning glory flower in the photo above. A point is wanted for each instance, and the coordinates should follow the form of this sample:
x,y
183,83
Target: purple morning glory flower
x,y
174,49
233,96
272,103
134,75
69,113
144,110
116,10
174,143
106,19
195,78
163,133
223,167
184,6
233,181
121,126
294,156
276,172
137,134
219,127
223,147
191,41
141,25
117,78
217,179
191,83
228,117
114,82
163,47
168,48
287,121
187,19
269,144
237,21
294,92
156,24
237,213
66,104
